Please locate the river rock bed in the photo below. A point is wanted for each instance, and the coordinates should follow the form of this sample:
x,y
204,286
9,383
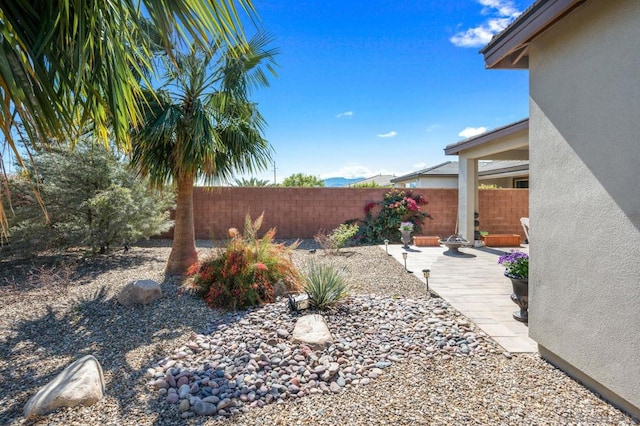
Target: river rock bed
x,y
248,360
47,322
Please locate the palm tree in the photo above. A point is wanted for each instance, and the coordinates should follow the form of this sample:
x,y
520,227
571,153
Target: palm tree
x,y
252,181
201,125
67,64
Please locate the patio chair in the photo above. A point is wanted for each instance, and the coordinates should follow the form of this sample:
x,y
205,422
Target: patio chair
x,y
524,221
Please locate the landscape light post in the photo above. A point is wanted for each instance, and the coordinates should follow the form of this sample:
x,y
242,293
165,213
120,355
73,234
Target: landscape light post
x,y
426,273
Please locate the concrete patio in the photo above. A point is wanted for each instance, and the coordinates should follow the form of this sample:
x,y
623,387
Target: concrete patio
x,y
474,284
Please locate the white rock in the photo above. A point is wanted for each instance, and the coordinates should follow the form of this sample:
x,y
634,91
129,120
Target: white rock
x,y
139,292
312,330
81,383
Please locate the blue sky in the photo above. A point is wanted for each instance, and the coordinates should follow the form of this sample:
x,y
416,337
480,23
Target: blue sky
x,y
382,86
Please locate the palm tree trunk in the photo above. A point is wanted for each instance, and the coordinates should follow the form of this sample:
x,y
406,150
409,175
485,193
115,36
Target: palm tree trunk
x,y
183,251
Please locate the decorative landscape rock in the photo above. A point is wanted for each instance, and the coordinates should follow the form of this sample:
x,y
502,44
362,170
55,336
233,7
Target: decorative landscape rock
x,y
139,292
248,359
312,329
81,383
469,388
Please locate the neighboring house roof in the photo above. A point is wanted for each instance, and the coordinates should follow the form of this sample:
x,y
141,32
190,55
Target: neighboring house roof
x,y
485,168
382,180
497,167
507,130
448,168
510,48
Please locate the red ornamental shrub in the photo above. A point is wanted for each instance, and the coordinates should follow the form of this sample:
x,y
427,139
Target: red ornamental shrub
x,y
246,271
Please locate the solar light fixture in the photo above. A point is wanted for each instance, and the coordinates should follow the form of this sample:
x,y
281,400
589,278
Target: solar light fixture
x,y
386,246
298,302
426,273
404,256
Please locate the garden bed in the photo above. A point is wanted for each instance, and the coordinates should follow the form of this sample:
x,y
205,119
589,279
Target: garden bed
x,y
45,325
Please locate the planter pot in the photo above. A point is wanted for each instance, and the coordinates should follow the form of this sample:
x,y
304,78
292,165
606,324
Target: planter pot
x,y
520,297
426,241
501,240
406,238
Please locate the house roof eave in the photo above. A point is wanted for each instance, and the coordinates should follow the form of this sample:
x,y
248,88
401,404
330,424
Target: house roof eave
x,y
509,49
421,172
509,129
522,168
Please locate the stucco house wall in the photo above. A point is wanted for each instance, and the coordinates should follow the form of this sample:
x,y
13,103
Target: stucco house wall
x,y
451,182
438,182
585,135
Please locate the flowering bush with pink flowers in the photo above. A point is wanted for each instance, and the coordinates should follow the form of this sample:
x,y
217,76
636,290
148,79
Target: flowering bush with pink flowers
x,y
398,206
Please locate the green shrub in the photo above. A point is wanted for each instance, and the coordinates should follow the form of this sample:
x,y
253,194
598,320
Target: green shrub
x,y
246,272
302,180
337,239
324,284
371,184
397,206
91,200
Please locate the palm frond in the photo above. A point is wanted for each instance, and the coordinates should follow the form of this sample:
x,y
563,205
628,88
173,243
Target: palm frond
x,y
66,66
217,131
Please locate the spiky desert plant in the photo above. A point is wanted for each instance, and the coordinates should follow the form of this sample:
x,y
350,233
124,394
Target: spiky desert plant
x,y
325,284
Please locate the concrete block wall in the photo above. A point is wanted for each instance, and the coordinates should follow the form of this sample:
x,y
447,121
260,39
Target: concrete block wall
x,y
501,209
302,212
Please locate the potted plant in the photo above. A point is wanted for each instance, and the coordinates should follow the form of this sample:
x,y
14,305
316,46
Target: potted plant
x,y
516,264
405,229
480,242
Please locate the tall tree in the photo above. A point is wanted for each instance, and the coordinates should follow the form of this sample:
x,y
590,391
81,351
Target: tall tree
x,y
201,125
68,64
300,179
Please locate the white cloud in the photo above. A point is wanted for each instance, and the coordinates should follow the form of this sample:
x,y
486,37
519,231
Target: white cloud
x,y
503,7
349,172
501,12
472,131
420,165
480,35
433,127
347,114
359,171
388,135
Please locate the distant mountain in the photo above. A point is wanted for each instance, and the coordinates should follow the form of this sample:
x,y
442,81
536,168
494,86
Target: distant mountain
x,y
340,181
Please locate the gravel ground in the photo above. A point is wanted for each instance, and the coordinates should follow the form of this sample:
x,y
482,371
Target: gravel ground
x,y
54,314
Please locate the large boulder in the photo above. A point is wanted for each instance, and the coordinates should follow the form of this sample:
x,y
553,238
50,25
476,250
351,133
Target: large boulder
x,y
81,383
139,292
312,330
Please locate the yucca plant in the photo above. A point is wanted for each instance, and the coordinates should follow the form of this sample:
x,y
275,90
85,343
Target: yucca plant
x,y
325,285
